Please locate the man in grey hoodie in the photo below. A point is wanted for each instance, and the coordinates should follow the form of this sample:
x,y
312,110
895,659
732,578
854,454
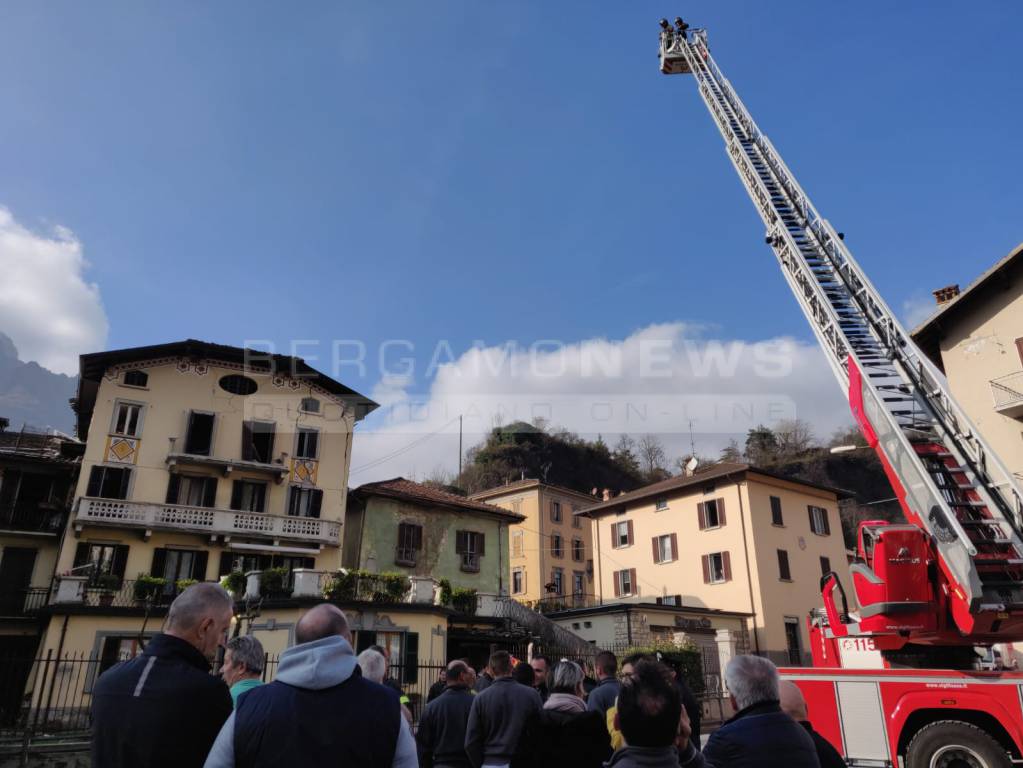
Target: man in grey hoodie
x,y
319,711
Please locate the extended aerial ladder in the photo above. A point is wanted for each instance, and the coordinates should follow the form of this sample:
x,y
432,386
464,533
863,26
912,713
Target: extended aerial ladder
x,y
954,576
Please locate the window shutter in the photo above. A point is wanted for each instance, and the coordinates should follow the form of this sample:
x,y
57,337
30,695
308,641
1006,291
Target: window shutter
x,y
678,600
417,536
248,449
618,583
459,542
483,544
614,535
159,562
809,510
632,581
81,554
659,601
210,492
122,492
551,511
827,523
315,502
674,546
706,569
726,565
120,560
199,565
410,673
656,558
632,538
95,482
236,494
172,489
721,511
701,515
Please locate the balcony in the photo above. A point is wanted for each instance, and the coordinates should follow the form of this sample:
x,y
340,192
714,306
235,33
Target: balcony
x,y
23,603
42,518
277,470
1008,394
555,603
206,520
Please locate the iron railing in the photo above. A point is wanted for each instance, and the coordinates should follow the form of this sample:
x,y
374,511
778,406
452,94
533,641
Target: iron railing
x,y
1008,390
37,518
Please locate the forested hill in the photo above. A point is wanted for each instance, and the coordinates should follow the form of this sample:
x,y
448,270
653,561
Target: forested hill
x,y
519,450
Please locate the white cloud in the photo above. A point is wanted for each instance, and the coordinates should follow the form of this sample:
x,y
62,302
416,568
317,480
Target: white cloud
x,y
654,381
46,306
916,309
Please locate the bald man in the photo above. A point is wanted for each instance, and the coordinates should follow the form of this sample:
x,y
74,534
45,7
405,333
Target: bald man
x,y
794,705
319,711
164,708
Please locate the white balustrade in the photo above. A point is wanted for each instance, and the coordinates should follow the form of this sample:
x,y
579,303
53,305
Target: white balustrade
x,y
206,520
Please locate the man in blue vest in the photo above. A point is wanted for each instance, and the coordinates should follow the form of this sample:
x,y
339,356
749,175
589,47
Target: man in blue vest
x,y
319,711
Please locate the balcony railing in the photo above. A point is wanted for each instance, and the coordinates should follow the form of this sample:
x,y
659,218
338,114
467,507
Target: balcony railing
x,y
32,518
208,520
25,602
555,603
405,556
1008,394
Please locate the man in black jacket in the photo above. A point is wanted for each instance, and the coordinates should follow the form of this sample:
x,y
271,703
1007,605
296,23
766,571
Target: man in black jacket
x,y
760,735
164,708
499,716
440,739
794,705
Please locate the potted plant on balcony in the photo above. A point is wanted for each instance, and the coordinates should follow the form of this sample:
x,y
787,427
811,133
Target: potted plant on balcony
x,y
235,583
108,583
182,584
148,588
463,600
342,586
272,582
445,592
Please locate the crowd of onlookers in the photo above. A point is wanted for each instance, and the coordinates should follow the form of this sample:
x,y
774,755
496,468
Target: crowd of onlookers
x,y
329,707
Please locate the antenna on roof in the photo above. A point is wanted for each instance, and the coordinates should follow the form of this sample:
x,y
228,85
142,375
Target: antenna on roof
x,y
691,465
692,441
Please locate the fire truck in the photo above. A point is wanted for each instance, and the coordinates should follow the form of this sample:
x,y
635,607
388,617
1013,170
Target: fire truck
x,y
895,678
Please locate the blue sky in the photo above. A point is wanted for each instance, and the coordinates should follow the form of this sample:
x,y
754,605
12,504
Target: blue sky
x,y
481,171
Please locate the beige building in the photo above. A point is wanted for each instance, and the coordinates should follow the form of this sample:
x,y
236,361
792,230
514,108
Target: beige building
x,y
200,460
550,554
730,538
976,337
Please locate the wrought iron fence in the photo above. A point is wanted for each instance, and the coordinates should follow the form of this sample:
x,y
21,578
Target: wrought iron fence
x,y
51,695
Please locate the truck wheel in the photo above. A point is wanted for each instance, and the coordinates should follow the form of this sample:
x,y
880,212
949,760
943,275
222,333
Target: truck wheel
x,y
955,744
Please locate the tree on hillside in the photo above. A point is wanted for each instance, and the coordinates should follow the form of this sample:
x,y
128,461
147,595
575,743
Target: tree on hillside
x,y
652,458
625,453
761,445
733,453
795,438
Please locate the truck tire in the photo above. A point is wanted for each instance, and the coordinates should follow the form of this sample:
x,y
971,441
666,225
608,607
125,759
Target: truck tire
x,y
955,744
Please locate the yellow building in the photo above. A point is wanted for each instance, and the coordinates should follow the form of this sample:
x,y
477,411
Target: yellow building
x,y
550,553
200,460
976,337
729,538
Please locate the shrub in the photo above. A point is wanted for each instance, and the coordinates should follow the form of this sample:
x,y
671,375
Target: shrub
x,y
148,587
463,600
234,582
445,592
341,586
182,584
272,580
108,582
352,585
683,657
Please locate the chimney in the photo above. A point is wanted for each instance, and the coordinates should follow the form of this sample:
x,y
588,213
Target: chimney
x,y
606,496
946,294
